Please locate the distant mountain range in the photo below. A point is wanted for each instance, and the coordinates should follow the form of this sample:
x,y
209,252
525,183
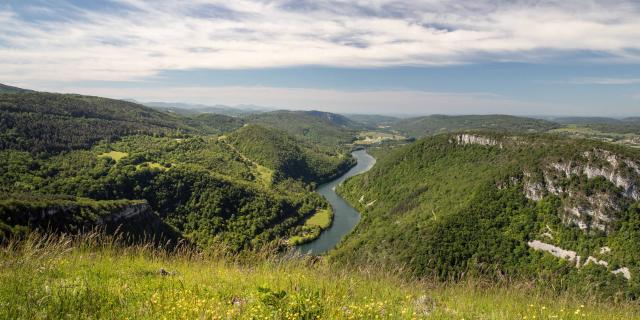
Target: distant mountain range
x,y
189,109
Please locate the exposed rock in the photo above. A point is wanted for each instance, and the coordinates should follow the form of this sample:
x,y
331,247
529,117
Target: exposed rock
x,y
476,139
591,259
625,272
573,257
553,250
587,211
127,213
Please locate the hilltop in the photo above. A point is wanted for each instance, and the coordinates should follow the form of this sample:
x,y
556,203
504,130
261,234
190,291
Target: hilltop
x,y
192,109
323,128
9,89
38,121
287,156
428,125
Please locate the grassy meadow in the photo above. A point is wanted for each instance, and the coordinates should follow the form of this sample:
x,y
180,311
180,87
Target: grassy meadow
x,y
94,276
319,221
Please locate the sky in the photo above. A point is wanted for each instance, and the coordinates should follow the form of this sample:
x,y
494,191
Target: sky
x,y
521,57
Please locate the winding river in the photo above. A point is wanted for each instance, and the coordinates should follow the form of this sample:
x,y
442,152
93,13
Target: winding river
x,y
345,217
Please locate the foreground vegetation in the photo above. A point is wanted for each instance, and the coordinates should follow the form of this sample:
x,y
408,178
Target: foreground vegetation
x,y
94,276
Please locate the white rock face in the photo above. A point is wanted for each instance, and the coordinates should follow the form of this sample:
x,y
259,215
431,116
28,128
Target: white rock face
x,y
128,213
572,256
533,190
593,211
591,259
553,250
625,272
476,139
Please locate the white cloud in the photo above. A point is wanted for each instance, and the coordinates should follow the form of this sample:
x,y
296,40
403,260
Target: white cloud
x,y
178,35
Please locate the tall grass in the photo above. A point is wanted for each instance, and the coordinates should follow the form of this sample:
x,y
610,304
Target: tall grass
x,y
98,276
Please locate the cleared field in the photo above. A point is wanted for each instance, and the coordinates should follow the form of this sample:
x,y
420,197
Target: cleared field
x,y
115,155
151,165
312,228
628,139
373,137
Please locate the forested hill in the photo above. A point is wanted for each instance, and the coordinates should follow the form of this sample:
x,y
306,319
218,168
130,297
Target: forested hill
x,y
629,125
477,204
9,89
286,156
50,122
324,128
428,125
209,189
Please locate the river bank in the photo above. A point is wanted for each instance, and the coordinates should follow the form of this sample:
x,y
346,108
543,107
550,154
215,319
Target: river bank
x,y
345,217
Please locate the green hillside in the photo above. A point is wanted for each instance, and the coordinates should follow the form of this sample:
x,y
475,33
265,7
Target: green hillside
x,y
469,204
609,125
206,188
211,123
324,128
21,214
373,120
9,89
50,122
200,186
38,122
423,126
288,157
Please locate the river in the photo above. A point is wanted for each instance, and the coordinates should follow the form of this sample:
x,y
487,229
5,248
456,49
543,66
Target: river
x,y
345,217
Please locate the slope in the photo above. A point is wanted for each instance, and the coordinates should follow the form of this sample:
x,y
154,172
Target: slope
x,y
50,122
456,205
423,126
324,128
9,89
39,122
288,157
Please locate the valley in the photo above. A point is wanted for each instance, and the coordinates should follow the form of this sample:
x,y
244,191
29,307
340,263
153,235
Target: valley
x,y
398,218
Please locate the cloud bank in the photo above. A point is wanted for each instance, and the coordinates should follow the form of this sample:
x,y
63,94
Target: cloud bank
x,y
127,40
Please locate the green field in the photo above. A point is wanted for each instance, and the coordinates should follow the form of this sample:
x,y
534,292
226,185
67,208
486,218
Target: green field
x,y
93,277
312,228
151,165
577,131
115,155
374,137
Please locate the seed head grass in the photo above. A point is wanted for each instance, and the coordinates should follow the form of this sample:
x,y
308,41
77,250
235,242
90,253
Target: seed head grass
x,y
94,276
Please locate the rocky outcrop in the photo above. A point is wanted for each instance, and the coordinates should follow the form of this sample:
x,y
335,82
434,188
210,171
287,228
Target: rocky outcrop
x,y
136,219
534,190
555,251
126,213
587,210
466,139
573,257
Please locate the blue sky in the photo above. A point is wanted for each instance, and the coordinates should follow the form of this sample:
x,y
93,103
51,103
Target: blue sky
x,y
527,57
